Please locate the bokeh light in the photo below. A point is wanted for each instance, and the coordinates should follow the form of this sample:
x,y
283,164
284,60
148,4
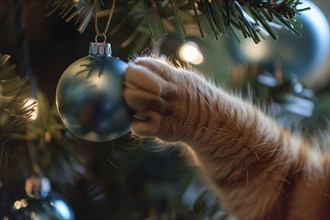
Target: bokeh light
x,y
190,52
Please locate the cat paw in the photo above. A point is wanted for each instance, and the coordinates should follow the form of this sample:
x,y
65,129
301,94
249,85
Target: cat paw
x,y
146,86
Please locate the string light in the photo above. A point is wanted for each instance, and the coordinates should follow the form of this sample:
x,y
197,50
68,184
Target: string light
x,y
191,53
33,103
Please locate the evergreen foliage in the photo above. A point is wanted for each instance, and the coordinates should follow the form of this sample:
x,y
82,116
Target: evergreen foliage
x,y
251,18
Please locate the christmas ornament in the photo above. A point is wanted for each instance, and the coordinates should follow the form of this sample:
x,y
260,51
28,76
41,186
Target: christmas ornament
x,y
40,203
89,96
302,56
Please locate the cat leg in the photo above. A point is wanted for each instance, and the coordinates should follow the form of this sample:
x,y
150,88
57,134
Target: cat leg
x,y
253,164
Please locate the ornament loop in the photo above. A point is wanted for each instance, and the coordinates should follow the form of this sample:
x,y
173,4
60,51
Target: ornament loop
x,y
101,35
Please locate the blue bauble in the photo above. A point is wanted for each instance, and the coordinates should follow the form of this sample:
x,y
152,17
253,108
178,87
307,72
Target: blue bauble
x,y
305,55
299,55
44,208
89,96
40,203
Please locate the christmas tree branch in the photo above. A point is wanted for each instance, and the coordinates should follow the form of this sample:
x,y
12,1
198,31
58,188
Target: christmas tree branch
x,y
41,137
15,109
225,17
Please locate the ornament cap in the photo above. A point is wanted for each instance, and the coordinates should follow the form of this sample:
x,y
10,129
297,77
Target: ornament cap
x,y
100,49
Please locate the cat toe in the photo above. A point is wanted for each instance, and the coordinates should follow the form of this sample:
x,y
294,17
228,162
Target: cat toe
x,y
146,124
141,77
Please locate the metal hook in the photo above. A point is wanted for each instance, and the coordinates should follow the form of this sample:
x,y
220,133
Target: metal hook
x,y
101,35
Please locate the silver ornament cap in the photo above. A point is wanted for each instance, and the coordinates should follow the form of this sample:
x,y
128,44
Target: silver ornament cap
x,y
100,49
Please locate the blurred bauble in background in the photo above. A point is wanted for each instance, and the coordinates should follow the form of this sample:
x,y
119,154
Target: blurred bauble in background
x,y
40,203
89,96
301,56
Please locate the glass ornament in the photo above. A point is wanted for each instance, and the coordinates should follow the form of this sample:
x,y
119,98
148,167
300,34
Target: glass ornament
x,y
40,203
89,96
302,56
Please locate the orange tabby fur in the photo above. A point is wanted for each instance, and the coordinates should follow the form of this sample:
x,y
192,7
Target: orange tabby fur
x,y
258,169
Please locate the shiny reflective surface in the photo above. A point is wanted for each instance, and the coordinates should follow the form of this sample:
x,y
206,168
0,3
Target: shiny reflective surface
x,y
44,208
301,56
90,101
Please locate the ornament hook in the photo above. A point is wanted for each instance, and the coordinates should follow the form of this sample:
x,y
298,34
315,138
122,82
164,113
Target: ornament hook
x,y
101,35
